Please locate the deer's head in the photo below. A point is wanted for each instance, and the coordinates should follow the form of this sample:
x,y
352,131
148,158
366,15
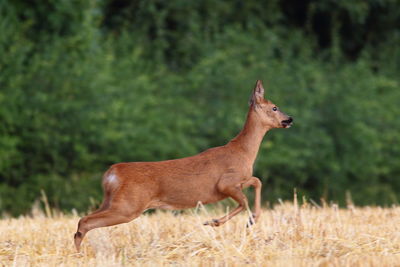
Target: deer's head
x,y
268,113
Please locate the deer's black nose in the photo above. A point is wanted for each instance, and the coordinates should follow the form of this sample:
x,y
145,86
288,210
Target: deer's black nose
x,y
287,123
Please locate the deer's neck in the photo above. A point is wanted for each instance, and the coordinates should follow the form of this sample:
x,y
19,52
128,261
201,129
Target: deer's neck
x,y
250,138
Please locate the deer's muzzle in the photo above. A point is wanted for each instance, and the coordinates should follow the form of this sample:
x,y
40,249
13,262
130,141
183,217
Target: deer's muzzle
x,y
287,123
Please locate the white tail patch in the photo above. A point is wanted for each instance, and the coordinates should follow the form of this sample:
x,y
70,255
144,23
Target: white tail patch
x,y
111,181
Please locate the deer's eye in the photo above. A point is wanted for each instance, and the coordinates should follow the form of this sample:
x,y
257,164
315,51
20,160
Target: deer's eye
x,y
274,108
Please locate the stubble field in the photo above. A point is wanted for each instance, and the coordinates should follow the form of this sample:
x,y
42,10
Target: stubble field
x,y
286,235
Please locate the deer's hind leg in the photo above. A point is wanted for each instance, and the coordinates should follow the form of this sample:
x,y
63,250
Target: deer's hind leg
x,y
117,208
108,217
105,204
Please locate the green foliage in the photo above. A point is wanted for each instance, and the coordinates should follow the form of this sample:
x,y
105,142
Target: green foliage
x,y
85,84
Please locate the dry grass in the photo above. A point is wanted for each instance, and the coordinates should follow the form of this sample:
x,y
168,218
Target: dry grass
x,y
285,236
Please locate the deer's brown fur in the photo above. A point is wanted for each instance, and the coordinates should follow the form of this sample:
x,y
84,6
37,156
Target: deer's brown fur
x,y
215,174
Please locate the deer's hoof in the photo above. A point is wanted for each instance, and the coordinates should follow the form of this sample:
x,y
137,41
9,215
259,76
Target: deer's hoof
x,y
78,239
213,222
252,220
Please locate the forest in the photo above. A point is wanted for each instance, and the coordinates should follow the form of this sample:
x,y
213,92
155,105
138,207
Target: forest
x,y
88,83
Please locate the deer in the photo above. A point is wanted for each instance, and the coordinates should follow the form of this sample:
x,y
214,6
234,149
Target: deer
x,y
215,174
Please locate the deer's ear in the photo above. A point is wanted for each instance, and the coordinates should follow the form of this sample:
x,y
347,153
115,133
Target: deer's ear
x,y
258,93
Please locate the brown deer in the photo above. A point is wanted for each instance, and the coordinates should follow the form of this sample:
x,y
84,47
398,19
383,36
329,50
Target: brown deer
x,y
215,174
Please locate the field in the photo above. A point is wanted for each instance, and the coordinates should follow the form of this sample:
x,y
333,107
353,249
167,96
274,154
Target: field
x,y
287,235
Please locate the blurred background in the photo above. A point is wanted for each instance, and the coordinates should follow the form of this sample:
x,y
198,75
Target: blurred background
x,y
85,84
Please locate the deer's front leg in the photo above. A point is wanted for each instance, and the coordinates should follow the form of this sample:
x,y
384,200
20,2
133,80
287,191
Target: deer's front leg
x,y
256,183
233,189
